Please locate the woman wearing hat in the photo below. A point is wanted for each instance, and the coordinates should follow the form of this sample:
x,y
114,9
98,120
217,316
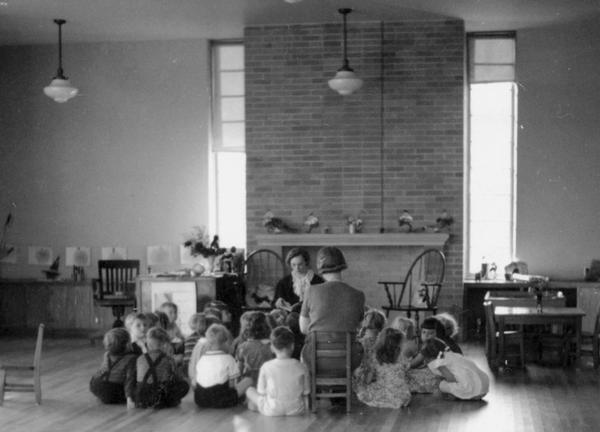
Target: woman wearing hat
x,y
333,305
290,290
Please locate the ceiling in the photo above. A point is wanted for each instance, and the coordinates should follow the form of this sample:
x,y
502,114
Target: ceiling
x,y
30,21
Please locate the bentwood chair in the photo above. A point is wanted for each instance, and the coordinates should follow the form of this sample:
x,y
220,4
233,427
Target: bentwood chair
x,y
12,376
420,290
115,286
262,270
331,366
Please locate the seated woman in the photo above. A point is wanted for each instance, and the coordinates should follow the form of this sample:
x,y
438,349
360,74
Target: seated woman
x,y
291,290
333,305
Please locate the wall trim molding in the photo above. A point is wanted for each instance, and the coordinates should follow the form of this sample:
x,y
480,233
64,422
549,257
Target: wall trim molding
x,y
390,239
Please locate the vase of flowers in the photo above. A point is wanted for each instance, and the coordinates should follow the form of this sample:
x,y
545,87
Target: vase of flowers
x,y
200,245
354,224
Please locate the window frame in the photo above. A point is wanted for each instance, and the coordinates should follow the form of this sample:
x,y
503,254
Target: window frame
x,y
468,258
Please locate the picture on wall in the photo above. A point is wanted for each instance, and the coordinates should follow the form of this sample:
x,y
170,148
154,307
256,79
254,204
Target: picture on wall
x,y
40,255
78,256
114,253
158,255
183,294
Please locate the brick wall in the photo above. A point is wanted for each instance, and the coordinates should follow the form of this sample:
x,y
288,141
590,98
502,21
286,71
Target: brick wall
x,y
311,150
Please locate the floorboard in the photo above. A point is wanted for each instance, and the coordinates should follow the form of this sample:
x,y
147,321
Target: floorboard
x,y
540,398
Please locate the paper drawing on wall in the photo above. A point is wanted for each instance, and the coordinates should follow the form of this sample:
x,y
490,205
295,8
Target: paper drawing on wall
x,y
157,255
40,255
78,256
183,294
11,258
114,253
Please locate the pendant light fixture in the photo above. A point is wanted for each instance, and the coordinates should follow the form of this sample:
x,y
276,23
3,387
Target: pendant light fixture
x,y
60,89
345,81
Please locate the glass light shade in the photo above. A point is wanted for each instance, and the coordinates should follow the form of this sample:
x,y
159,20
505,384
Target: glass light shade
x,y
345,82
60,90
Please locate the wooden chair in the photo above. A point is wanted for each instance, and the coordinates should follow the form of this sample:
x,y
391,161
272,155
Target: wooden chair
x,y
115,286
512,339
420,290
590,342
262,270
7,371
331,367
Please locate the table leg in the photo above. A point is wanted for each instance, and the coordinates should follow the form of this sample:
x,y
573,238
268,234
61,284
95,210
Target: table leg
x,y
500,359
577,338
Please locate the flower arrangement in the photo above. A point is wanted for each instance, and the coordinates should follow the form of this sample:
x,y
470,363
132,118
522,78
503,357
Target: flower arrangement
x,y
355,224
200,244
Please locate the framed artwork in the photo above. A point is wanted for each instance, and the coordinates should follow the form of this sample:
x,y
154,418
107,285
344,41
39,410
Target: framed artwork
x,y
78,256
182,293
158,255
114,253
40,255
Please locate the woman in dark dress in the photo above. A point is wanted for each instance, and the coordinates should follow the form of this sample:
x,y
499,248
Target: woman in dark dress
x,y
290,291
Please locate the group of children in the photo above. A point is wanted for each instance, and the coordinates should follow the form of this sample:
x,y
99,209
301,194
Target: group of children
x,y
151,364
397,363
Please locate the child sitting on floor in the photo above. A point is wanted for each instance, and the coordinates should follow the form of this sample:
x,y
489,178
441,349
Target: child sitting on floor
x,y
450,330
420,378
292,321
241,337
116,376
256,350
372,324
388,387
172,328
462,379
407,326
217,372
198,326
158,383
199,349
283,382
137,331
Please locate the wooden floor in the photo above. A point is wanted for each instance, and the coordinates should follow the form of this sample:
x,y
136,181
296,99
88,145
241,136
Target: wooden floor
x,y
538,399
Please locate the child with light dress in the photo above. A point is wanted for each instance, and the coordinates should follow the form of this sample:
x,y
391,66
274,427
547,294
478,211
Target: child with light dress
x,y
389,387
217,372
462,378
420,378
283,382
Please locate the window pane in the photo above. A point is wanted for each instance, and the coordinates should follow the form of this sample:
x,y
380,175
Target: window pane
x,y
494,50
489,73
231,83
233,135
231,57
232,109
231,198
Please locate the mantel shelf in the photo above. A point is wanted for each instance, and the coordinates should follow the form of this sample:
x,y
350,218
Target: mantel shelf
x,y
391,239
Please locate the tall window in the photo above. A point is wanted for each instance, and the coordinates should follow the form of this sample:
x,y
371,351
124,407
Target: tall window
x,y
228,157
491,155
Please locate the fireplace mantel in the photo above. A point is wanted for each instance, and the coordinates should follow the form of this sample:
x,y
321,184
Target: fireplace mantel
x,y
356,240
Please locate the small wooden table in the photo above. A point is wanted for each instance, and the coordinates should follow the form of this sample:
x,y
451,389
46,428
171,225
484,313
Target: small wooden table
x,y
524,315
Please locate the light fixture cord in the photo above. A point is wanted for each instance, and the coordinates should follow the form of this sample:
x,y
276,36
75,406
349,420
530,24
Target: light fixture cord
x,y
345,51
59,72
381,131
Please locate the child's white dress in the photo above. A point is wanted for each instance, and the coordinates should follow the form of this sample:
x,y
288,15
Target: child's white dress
x,y
471,382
